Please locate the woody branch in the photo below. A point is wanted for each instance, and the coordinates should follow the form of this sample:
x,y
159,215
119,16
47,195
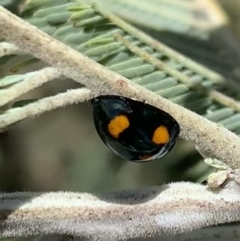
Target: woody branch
x,y
158,211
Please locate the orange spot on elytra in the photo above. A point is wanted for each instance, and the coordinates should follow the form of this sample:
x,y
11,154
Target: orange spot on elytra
x,y
161,135
118,125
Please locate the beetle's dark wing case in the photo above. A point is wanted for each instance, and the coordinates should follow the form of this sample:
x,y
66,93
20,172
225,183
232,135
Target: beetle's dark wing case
x,y
111,106
135,141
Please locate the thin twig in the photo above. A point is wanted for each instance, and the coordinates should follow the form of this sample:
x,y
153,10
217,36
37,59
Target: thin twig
x,y
46,104
8,49
169,209
211,138
31,82
212,94
162,48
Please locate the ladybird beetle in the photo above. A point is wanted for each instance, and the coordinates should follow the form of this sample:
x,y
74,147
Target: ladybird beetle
x,y
134,130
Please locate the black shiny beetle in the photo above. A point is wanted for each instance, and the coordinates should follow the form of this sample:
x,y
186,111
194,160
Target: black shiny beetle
x,y
132,129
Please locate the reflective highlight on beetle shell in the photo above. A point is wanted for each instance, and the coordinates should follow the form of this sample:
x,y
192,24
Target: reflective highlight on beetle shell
x,y
132,129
